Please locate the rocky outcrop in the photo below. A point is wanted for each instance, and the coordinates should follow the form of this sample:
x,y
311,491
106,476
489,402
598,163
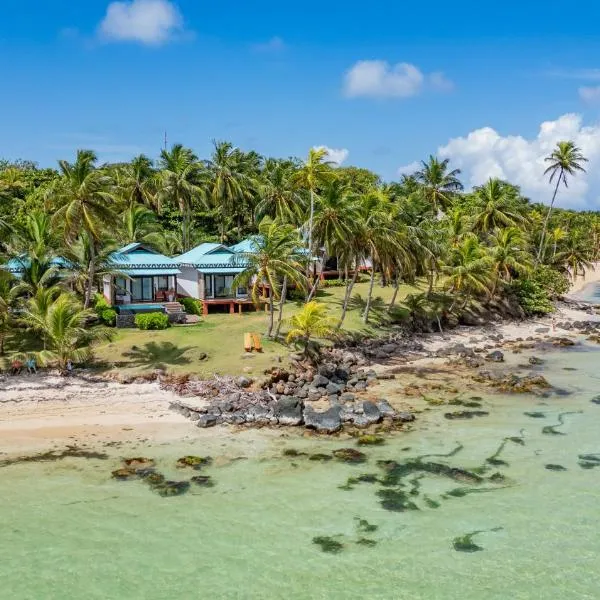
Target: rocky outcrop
x,y
284,398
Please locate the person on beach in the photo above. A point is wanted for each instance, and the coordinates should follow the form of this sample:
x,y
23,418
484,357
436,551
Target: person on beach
x,y
16,367
69,367
31,366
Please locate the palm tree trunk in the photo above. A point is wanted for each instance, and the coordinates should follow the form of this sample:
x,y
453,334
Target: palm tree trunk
x,y
271,314
395,295
281,303
369,296
1,344
91,274
349,285
313,289
545,226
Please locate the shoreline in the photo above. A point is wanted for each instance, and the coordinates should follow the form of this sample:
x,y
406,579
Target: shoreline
x,y
48,412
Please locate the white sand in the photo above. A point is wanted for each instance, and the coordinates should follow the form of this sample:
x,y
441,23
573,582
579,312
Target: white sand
x,y
38,413
591,276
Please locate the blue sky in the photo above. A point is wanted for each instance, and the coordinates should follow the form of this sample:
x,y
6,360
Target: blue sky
x,y
383,83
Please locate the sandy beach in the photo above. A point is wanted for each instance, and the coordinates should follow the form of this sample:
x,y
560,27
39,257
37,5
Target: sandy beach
x,y
591,276
44,412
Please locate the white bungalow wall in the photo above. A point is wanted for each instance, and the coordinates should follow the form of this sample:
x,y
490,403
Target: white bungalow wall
x,y
188,282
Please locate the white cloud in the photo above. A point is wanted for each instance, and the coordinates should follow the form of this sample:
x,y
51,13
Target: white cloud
x,y
410,168
335,155
485,153
590,74
275,44
379,79
151,22
590,94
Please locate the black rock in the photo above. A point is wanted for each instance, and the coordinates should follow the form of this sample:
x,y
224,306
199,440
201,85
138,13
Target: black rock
x,y
207,421
534,360
320,381
371,412
324,422
385,408
347,397
334,388
244,382
288,410
495,356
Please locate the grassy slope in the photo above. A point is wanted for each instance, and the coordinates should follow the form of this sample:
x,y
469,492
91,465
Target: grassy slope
x,y
221,337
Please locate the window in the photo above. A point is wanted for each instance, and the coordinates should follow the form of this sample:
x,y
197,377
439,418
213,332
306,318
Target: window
x,y
120,286
223,285
208,287
163,283
242,291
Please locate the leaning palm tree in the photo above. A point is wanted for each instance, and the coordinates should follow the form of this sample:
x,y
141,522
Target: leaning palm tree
x,y
311,322
565,159
315,173
63,330
494,208
274,259
181,183
83,201
439,184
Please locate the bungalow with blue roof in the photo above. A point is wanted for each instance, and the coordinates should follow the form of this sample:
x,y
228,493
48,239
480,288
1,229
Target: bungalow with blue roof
x,y
208,272
145,276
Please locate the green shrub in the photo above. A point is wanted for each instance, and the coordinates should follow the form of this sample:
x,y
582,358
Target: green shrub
x,y
333,283
551,281
108,316
100,304
154,320
533,298
192,306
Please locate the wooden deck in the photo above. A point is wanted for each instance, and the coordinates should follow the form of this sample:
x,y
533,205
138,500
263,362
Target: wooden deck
x,y
233,303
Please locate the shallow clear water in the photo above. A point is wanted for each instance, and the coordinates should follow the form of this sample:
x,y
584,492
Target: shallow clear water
x,y
590,293
70,531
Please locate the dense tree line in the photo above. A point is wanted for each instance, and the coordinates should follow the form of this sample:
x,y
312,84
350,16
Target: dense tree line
x,y
467,246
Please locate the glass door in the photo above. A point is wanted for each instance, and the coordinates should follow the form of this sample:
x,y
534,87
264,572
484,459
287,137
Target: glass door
x,y
142,289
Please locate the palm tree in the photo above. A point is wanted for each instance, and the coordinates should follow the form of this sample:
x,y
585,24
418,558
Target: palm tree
x,y
279,199
575,256
83,198
78,256
315,173
469,270
137,182
230,184
140,224
275,258
311,322
439,184
509,255
63,329
334,221
182,183
558,234
494,208
6,306
565,159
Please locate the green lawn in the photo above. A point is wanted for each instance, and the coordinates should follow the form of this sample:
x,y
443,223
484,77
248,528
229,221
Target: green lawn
x,y
221,338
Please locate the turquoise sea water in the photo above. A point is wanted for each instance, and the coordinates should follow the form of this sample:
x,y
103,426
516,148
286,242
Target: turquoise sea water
x,y
69,531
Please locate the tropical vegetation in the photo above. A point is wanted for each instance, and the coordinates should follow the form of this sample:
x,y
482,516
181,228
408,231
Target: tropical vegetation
x,y
460,248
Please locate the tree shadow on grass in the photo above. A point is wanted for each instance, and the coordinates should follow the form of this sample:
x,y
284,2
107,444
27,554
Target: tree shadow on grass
x,y
378,314
157,355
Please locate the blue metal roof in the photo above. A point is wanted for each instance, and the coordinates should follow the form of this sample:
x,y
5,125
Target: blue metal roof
x,y
245,246
141,260
19,264
212,258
